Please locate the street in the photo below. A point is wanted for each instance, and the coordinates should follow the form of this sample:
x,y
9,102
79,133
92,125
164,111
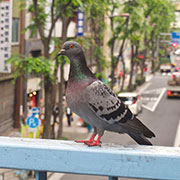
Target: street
x,y
160,114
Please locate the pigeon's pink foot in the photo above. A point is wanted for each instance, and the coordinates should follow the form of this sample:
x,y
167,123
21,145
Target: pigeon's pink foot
x,y
87,141
95,142
83,141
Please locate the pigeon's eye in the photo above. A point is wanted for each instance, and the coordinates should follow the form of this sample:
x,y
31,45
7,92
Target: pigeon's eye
x,y
71,46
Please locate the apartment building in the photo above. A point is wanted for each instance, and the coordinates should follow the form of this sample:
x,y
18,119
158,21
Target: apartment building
x,y
9,44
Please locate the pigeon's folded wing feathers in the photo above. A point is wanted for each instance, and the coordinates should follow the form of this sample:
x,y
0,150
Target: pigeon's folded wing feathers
x,y
105,104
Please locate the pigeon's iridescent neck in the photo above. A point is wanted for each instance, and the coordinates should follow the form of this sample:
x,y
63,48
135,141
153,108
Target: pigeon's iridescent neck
x,y
79,70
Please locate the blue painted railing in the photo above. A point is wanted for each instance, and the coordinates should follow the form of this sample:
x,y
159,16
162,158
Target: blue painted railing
x,y
109,160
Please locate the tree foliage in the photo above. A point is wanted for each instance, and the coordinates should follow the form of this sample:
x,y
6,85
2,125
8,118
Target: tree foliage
x,y
146,21
45,15
39,66
95,13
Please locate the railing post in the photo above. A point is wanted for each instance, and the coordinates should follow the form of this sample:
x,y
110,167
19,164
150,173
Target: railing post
x,y
41,175
113,178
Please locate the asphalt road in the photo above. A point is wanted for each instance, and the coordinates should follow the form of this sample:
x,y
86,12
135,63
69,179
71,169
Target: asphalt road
x,y
160,114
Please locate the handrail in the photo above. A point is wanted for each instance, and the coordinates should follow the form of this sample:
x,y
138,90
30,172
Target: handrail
x,y
149,162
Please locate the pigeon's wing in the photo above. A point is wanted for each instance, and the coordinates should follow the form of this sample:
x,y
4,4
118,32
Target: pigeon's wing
x,y
105,104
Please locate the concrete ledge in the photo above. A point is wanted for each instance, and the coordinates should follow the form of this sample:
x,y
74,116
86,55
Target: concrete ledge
x,y
109,160
5,77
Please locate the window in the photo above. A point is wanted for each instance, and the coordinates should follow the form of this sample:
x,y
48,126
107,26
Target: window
x,y
7,20
6,55
7,26
6,49
15,30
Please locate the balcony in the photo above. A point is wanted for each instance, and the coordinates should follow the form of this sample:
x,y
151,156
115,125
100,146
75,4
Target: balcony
x,y
109,160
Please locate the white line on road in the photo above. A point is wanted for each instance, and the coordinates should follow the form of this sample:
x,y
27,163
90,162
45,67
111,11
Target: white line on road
x,y
159,99
156,103
144,88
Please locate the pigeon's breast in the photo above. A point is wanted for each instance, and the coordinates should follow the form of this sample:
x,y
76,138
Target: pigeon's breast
x,y
75,96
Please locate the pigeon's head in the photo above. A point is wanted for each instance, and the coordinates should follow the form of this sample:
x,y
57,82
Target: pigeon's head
x,y
70,49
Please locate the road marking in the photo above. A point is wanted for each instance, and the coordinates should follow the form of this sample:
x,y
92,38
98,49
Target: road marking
x,y
159,99
157,102
146,107
149,77
144,88
177,137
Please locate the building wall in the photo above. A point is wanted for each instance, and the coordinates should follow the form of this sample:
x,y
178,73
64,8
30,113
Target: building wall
x,y
7,88
6,103
15,10
5,34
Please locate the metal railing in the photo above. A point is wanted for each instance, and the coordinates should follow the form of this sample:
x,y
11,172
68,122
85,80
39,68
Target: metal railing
x,y
113,161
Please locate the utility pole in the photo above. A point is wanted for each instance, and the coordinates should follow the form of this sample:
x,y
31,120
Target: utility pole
x,y
19,83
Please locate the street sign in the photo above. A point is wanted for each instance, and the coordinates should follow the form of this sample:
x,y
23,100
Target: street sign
x,y
35,110
175,37
80,22
32,122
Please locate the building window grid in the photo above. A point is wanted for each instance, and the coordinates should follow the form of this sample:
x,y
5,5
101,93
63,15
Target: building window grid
x,y
15,30
5,44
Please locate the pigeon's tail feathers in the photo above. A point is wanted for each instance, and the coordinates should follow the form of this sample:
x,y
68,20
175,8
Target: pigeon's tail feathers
x,y
137,127
140,139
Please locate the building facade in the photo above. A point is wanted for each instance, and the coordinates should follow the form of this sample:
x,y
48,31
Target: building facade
x,y
9,45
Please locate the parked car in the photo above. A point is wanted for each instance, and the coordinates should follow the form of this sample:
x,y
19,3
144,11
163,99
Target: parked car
x,y
132,100
165,68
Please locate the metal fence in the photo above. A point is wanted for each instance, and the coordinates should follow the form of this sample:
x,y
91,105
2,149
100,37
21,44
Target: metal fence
x,y
113,161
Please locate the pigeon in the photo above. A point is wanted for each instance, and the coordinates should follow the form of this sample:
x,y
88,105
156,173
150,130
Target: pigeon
x,y
96,103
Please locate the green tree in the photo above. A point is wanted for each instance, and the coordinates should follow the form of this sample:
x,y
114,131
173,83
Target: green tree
x,y
95,13
135,29
155,23
146,22
119,30
58,10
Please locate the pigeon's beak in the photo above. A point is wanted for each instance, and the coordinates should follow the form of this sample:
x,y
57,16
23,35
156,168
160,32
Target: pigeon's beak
x,y
62,52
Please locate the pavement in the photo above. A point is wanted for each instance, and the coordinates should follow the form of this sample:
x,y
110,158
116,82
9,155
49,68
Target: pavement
x,y
74,132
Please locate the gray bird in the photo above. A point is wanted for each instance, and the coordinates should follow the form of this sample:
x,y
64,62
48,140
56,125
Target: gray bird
x,y
96,104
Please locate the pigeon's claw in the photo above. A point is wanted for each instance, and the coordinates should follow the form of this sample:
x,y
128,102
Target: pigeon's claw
x,y
83,141
91,140
95,142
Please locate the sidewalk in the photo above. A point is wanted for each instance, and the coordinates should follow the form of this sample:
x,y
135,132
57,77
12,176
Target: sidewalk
x,y
75,131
